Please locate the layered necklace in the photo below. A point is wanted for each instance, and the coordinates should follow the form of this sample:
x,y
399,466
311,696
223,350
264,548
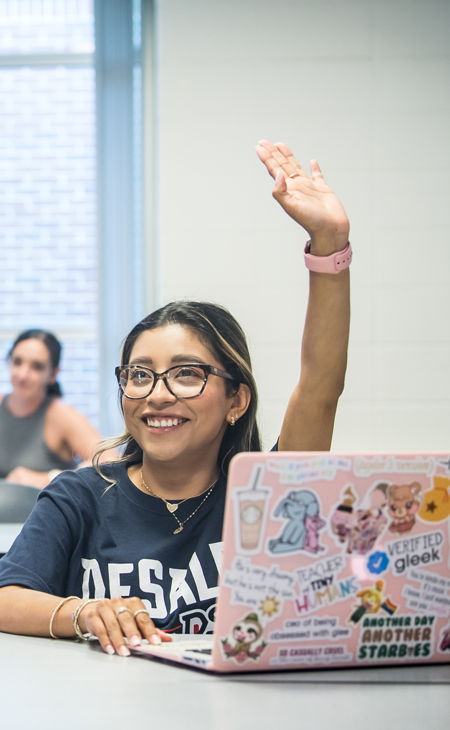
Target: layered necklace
x,y
172,507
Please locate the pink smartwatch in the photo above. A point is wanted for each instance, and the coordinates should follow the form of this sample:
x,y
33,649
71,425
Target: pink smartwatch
x,y
333,264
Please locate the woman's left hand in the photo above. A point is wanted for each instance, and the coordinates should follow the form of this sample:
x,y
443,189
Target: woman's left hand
x,y
28,477
309,201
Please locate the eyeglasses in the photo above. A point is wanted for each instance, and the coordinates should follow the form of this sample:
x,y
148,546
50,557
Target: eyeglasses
x,y
182,381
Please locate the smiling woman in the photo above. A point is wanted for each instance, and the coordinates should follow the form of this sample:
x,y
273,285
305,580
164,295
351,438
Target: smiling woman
x,y
39,434
189,333
130,550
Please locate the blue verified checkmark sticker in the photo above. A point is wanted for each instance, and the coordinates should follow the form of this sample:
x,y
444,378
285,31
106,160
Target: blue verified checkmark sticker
x,y
378,563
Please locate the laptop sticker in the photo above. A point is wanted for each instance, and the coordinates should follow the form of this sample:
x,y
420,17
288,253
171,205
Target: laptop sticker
x,y
244,642
403,637
415,551
444,640
430,596
250,509
378,562
403,502
300,510
311,629
371,600
366,466
436,503
263,589
314,469
317,654
359,529
321,586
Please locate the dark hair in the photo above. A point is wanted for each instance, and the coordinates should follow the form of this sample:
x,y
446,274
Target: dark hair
x,y
219,331
53,346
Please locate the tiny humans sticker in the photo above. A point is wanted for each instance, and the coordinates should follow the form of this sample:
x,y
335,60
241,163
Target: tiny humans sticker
x,y
321,586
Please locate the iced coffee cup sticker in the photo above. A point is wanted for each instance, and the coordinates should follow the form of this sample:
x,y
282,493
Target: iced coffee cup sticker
x,y
250,510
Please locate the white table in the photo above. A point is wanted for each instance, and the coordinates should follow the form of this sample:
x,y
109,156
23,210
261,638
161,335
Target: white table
x,y
50,685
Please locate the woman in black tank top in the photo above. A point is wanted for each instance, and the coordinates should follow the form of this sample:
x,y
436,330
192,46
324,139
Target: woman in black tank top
x,y
39,434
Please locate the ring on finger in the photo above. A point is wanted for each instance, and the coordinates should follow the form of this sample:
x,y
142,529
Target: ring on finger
x,y
121,610
141,610
295,174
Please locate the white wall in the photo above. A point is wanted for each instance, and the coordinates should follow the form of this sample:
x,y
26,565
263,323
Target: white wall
x,y
364,87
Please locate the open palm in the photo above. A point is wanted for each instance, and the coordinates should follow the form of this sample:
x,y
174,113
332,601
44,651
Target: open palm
x,y
308,200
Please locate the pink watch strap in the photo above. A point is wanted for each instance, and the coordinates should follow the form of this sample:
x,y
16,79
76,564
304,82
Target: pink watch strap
x,y
333,264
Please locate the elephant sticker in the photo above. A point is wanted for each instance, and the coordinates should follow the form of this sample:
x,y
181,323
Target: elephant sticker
x,y
301,510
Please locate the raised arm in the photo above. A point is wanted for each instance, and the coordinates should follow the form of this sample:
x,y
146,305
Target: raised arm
x,y
309,420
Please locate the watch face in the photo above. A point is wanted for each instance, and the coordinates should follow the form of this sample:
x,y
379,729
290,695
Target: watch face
x,y
251,514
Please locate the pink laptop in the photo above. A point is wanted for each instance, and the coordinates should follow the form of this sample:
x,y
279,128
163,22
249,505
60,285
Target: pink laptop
x,y
330,560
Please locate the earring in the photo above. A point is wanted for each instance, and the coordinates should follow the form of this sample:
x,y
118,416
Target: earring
x,y
232,420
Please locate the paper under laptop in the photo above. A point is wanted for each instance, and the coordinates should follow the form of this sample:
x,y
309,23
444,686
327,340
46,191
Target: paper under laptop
x,y
330,560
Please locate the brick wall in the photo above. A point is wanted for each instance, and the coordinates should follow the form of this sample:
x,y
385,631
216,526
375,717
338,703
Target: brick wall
x,y
46,26
48,255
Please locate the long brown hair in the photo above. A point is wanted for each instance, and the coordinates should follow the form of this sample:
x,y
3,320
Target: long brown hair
x,y
220,332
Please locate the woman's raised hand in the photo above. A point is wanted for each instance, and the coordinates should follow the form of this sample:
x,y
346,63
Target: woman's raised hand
x,y
309,201
113,620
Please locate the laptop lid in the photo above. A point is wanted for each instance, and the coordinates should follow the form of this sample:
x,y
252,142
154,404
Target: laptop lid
x,y
334,560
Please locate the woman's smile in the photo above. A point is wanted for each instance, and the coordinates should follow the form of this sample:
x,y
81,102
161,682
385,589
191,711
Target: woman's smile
x,y
165,426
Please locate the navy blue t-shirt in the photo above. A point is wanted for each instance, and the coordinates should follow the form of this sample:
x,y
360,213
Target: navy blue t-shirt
x,y
85,539
82,540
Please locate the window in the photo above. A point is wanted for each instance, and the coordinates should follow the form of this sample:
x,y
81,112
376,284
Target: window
x,y
48,208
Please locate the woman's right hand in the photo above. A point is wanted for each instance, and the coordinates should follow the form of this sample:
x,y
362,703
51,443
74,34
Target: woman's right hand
x,y
111,620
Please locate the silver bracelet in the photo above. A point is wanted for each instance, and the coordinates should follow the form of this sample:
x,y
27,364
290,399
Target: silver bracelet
x,y
76,616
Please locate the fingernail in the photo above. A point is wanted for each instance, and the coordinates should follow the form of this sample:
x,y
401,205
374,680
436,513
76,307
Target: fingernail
x,y
135,640
109,649
123,651
154,639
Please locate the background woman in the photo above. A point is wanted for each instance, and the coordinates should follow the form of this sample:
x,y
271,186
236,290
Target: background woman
x,y
140,541
39,434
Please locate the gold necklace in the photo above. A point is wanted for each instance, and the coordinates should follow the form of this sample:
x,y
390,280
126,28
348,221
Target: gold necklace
x,y
173,507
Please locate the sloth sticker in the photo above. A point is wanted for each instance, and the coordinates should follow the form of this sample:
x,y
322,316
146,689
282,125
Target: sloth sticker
x,y
244,642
